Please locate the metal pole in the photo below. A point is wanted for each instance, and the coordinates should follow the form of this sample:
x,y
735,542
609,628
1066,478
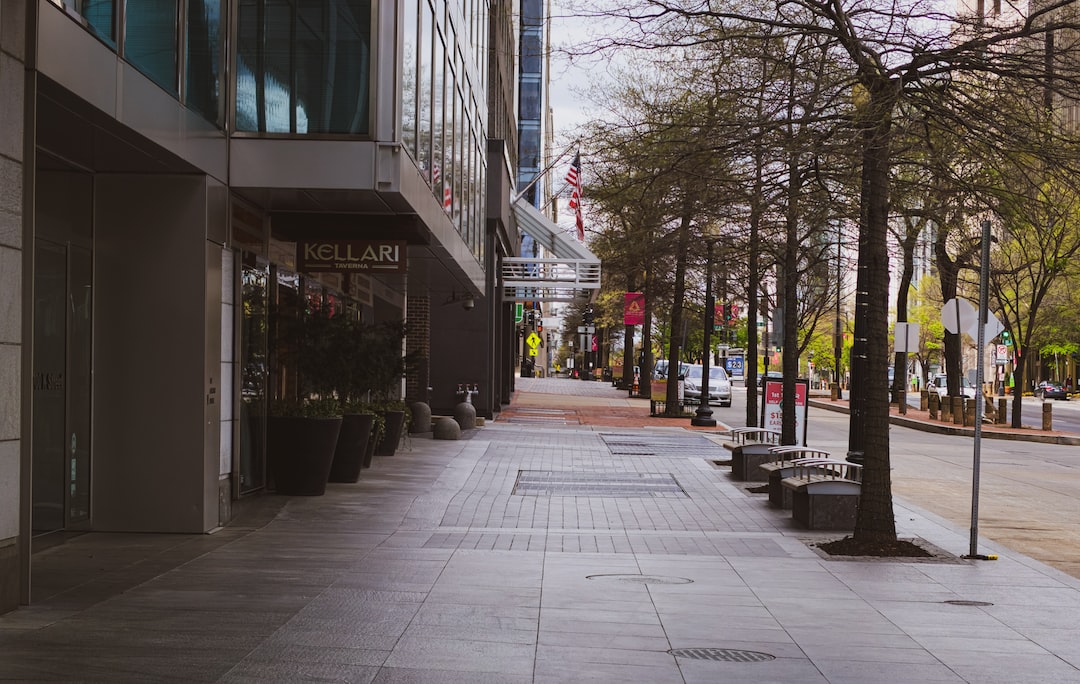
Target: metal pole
x,y
704,413
984,295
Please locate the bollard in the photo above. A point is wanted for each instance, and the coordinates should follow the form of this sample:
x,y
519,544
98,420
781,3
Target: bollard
x,y
957,410
924,399
1048,416
1003,407
834,391
969,413
932,402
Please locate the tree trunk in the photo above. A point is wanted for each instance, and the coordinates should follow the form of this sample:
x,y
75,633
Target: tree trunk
x,y
751,356
869,417
907,246
1019,381
789,282
672,407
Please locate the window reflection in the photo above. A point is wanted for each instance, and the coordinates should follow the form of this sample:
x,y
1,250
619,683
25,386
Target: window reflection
x,y
204,57
150,39
98,14
303,66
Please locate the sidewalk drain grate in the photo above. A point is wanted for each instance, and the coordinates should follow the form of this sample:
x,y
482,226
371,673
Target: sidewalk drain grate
x,y
642,579
728,655
962,602
580,483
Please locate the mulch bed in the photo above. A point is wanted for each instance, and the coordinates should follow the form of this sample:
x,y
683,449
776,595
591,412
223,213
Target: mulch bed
x,y
849,546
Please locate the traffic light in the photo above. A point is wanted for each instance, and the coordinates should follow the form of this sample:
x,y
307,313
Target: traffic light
x,y
1006,338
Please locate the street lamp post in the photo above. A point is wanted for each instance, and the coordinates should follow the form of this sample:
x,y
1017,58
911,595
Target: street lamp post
x,y
703,417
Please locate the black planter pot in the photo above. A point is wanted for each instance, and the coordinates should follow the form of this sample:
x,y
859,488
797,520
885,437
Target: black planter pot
x,y
351,444
369,448
300,452
395,423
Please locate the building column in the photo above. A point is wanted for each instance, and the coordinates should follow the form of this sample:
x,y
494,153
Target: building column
x,y
418,345
14,478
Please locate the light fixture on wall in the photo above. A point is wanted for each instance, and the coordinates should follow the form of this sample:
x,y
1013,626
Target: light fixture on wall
x,y
466,299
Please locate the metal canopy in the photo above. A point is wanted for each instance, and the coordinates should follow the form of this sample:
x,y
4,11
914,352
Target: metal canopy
x,y
568,270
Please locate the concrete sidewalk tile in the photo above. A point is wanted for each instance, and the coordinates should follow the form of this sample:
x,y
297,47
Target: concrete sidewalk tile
x,y
462,655
798,670
402,675
837,670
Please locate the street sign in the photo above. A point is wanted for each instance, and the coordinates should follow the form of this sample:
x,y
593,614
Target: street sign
x,y
533,340
519,312
906,338
958,315
586,329
1002,351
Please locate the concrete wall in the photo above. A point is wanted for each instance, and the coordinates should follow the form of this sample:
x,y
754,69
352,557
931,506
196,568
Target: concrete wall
x,y
12,75
157,358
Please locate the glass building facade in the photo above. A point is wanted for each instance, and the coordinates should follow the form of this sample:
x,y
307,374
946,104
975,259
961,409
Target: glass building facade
x,y
443,112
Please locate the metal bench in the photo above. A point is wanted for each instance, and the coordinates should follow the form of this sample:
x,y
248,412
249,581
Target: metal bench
x,y
784,460
750,446
825,494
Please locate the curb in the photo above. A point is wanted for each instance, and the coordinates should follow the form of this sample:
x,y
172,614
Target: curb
x,y
943,429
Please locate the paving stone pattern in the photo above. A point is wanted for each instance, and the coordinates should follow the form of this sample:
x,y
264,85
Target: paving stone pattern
x,y
431,569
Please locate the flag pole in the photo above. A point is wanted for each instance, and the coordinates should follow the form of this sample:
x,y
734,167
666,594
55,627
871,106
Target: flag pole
x,y
545,171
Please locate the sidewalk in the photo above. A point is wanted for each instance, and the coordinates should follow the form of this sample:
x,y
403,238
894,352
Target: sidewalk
x,y
544,547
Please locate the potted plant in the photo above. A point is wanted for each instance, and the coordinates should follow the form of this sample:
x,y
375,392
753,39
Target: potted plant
x,y
382,370
304,426
396,418
302,437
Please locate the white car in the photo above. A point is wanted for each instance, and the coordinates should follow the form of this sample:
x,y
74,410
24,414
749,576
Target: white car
x,y
940,384
719,385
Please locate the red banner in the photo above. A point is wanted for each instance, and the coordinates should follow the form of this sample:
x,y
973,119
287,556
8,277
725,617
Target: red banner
x,y
634,309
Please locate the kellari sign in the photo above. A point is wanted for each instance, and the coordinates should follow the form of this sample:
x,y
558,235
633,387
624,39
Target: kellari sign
x,y
351,256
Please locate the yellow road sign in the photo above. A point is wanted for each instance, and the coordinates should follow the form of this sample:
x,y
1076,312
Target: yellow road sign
x,y
533,340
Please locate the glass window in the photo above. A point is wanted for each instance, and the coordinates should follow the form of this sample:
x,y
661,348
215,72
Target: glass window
x,y
427,38
303,66
98,15
150,39
459,151
203,59
437,114
531,52
409,77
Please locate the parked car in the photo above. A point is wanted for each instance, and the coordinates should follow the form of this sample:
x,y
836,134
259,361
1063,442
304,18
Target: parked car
x,y
1051,390
770,375
719,384
940,383
661,368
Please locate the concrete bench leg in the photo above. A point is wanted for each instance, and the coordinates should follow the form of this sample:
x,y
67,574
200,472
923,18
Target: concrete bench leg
x,y
824,511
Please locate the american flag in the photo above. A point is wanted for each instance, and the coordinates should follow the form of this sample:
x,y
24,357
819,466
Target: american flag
x,y
448,198
573,177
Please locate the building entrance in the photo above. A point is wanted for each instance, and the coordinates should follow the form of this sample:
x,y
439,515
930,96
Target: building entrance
x,y
61,377
63,316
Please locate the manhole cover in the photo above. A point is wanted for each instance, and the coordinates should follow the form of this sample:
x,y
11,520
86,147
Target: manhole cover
x,y
728,655
642,579
961,602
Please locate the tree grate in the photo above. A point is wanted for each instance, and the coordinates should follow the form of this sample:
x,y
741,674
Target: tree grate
x,y
727,655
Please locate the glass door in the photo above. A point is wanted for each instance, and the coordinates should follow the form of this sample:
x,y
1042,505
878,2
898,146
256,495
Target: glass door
x,y
254,366
61,386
